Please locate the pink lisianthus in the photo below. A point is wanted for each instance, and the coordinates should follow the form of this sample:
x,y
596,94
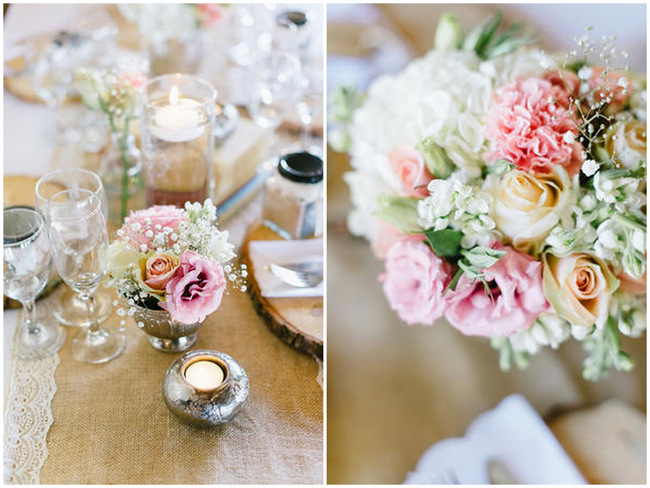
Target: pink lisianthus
x,y
517,297
409,167
385,239
528,127
414,282
196,289
135,227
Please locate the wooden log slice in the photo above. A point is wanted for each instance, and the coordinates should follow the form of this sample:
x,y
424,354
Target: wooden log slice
x,y
297,321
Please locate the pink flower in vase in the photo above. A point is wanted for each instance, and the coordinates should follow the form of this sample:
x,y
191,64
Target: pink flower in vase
x,y
134,79
136,227
196,289
157,270
565,86
517,297
414,281
210,14
408,165
527,126
611,87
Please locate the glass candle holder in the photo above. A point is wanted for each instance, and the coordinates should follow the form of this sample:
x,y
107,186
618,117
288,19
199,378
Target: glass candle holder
x,y
178,140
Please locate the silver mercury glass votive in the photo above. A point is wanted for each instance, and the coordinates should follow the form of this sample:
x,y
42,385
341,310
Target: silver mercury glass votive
x,y
194,401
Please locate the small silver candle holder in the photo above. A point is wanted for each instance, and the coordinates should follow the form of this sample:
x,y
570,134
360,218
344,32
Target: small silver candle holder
x,y
205,407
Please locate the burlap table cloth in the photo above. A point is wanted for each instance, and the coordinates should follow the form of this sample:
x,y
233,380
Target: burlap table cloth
x,y
111,424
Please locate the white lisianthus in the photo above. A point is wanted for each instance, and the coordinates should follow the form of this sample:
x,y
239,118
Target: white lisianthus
x,y
630,313
442,96
614,190
527,206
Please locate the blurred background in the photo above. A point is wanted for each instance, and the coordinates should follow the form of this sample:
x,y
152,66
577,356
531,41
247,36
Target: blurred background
x,y
395,390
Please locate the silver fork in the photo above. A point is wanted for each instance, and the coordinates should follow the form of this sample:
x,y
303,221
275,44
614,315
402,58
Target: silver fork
x,y
300,275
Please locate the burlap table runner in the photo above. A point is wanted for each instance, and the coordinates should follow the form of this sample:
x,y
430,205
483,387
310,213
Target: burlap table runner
x,y
111,424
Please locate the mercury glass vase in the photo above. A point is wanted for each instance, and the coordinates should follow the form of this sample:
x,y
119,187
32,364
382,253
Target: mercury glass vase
x,y
166,334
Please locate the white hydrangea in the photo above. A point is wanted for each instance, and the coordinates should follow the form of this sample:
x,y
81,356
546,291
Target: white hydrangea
x,y
453,204
443,96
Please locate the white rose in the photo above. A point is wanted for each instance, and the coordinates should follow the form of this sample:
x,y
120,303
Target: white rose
x,y
526,207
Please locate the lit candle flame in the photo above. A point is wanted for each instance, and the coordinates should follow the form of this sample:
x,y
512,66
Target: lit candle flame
x,y
174,95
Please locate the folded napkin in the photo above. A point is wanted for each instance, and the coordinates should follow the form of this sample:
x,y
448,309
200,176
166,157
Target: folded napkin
x,y
514,434
263,253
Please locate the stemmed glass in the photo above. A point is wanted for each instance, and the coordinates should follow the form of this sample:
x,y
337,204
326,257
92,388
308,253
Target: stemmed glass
x,y
27,265
79,240
70,309
275,77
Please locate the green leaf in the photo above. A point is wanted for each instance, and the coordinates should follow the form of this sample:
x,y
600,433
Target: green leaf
x,y
488,30
482,257
445,243
400,212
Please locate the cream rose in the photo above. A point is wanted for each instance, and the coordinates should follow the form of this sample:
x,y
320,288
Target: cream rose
x,y
626,143
579,287
528,206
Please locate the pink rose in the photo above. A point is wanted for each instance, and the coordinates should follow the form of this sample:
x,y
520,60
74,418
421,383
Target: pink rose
x,y
133,78
409,167
527,127
136,225
210,13
517,297
384,240
610,87
158,269
196,289
414,281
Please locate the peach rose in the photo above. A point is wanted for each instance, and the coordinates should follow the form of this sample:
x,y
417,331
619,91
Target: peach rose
x,y
157,270
579,287
528,206
409,167
626,143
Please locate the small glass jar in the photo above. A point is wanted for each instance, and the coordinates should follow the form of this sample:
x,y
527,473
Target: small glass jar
x,y
293,200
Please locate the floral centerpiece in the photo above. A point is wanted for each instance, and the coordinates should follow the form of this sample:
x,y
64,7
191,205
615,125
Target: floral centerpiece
x,y
118,96
172,260
505,190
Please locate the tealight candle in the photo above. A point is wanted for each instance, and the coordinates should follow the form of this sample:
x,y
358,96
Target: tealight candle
x,y
204,375
180,121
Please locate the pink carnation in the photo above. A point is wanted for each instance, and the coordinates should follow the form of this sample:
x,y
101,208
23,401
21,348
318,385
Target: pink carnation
x,y
414,282
134,230
610,88
196,289
517,297
565,86
408,165
527,127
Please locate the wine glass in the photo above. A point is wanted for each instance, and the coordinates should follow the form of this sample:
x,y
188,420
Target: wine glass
x,y
79,239
27,265
275,77
70,309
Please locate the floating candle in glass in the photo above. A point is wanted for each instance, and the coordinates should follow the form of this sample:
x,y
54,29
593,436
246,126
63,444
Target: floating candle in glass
x,y
178,139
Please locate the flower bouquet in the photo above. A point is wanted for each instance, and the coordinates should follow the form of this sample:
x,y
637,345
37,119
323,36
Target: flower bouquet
x,y
505,189
170,266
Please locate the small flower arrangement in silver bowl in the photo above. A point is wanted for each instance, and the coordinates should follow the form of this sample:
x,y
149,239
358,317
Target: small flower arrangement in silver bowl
x,y
171,266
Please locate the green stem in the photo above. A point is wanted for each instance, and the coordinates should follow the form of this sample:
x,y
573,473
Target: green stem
x,y
126,163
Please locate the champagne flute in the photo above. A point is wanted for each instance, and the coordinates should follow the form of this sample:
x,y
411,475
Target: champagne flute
x,y
70,309
27,265
79,239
